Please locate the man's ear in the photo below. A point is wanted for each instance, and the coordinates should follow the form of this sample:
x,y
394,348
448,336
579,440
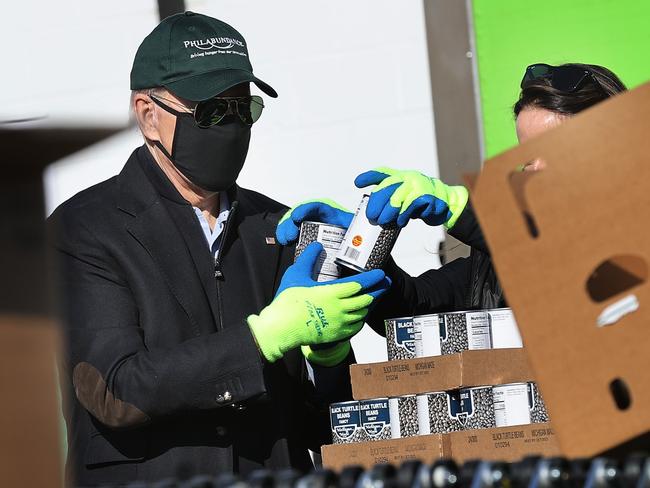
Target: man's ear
x,y
145,114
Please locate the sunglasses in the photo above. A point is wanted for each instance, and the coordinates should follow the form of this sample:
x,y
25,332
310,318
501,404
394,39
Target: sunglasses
x,y
212,111
564,78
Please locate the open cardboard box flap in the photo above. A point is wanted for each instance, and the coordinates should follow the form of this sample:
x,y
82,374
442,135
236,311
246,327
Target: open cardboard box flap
x,y
571,246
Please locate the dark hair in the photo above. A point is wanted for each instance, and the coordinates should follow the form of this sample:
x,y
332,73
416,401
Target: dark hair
x,y
600,86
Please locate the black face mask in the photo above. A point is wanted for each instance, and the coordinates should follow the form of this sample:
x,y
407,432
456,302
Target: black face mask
x,y
211,158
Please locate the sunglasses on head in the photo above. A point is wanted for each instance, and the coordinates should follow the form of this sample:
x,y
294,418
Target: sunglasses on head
x,y
212,111
564,78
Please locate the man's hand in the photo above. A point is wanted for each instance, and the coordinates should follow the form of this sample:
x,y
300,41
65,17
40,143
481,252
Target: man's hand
x,y
306,312
403,195
325,211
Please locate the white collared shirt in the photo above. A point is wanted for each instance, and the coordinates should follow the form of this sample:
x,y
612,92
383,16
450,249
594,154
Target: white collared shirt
x,y
212,236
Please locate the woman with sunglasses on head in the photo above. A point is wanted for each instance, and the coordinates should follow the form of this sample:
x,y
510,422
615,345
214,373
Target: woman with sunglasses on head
x,y
549,95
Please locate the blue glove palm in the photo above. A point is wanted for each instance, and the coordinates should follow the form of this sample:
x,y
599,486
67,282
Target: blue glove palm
x,y
404,195
325,211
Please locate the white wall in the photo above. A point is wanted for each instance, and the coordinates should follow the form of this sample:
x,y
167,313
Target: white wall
x,y
353,83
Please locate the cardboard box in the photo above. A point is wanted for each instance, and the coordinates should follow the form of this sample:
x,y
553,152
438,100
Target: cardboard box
x,y
439,373
504,444
30,420
572,250
426,448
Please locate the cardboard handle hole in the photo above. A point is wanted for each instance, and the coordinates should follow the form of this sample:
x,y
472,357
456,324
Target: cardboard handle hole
x,y
616,275
620,393
518,180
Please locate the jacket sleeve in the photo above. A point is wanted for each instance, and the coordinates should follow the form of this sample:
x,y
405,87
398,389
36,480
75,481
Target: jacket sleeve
x,y
435,290
115,376
468,231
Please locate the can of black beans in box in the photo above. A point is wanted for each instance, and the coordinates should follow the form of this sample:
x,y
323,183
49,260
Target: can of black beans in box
x,y
375,419
477,408
511,404
462,331
404,418
346,422
330,236
427,335
400,338
366,246
455,410
440,412
538,413
504,330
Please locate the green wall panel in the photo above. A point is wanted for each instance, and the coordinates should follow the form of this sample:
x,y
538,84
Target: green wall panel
x,y
511,34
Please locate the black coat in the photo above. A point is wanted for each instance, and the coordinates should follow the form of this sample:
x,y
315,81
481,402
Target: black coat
x,y
469,283
162,374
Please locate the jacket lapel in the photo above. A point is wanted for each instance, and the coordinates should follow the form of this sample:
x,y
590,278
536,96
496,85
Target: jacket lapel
x,y
155,229
195,242
257,235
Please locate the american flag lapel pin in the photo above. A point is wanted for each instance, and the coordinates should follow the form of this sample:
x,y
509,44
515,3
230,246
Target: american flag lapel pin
x,y
270,241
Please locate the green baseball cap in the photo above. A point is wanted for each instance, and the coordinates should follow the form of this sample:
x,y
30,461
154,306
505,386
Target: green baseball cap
x,y
195,57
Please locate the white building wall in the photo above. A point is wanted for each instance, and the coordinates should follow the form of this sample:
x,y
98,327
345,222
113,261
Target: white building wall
x,y
352,77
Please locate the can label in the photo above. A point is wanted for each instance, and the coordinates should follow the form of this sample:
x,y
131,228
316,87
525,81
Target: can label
x,y
511,404
404,420
462,331
477,408
346,423
330,236
427,335
505,333
366,246
423,414
375,418
400,338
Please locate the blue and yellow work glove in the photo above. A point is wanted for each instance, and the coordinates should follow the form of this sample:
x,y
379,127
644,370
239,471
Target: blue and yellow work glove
x,y
403,195
305,312
324,211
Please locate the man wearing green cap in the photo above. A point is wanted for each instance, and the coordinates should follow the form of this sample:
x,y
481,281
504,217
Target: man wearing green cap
x,y
194,345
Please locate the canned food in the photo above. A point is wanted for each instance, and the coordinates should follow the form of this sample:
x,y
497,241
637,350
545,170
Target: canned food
x,y
538,413
330,236
366,246
400,338
440,412
345,422
477,408
504,330
427,335
462,331
404,419
375,419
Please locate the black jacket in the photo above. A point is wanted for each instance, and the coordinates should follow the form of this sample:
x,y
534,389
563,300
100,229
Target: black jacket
x,y
463,284
162,374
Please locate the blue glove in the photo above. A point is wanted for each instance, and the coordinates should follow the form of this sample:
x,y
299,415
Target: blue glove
x,y
306,312
403,195
325,211
374,283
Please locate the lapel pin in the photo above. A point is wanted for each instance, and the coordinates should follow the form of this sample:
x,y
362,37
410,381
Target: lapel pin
x,y
270,240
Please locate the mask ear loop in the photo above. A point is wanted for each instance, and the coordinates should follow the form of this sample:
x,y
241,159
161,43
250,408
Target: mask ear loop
x,y
176,114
